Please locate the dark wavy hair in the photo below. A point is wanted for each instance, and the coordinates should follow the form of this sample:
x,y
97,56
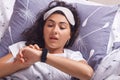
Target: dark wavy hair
x,y
34,35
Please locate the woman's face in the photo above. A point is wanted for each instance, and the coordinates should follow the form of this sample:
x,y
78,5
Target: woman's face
x,y
56,32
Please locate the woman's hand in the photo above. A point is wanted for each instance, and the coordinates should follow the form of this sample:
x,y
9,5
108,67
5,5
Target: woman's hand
x,y
28,55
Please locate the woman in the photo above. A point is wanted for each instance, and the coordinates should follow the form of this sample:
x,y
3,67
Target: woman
x,y
45,54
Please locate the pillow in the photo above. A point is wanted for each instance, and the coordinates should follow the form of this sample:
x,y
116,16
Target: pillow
x,y
116,31
94,31
24,14
114,41
6,8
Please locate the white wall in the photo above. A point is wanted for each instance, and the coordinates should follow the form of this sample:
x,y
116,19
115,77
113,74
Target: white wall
x,y
109,2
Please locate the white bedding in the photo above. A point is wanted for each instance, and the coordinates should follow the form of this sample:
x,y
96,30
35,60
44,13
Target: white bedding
x,y
6,8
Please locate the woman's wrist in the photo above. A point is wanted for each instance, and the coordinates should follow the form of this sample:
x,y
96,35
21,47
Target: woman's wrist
x,y
17,66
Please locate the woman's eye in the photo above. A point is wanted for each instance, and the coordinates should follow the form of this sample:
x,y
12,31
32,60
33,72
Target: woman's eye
x,y
62,27
50,25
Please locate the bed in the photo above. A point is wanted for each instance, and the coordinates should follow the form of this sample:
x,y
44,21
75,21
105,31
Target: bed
x,y
99,30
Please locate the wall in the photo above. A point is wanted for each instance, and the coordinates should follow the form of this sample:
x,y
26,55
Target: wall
x,y
109,2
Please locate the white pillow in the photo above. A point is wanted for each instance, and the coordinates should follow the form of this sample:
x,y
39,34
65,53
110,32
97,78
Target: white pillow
x,y
115,32
6,9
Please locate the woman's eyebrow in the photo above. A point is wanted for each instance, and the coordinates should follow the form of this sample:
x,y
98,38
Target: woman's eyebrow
x,y
50,20
63,23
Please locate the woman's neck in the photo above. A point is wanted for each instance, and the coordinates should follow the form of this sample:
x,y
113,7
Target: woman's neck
x,y
56,51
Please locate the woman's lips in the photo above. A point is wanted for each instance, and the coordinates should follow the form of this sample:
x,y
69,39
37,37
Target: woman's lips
x,y
53,38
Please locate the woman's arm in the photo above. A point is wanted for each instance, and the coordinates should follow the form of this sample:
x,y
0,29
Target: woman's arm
x,y
78,69
5,58
7,68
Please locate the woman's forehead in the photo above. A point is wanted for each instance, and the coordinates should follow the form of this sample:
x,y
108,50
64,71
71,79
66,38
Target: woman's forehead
x,y
57,18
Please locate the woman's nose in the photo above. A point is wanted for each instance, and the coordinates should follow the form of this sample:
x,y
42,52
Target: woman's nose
x,y
56,29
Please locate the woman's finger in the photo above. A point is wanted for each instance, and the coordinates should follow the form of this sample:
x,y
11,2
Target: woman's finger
x,y
37,47
31,46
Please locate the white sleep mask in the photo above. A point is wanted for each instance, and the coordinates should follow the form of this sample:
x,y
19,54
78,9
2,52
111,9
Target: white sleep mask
x,y
66,12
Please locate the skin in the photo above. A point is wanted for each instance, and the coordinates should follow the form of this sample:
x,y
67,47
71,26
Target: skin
x,y
56,34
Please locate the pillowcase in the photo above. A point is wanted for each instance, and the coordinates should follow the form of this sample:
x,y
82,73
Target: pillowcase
x,y
94,31
6,8
24,15
116,31
114,41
